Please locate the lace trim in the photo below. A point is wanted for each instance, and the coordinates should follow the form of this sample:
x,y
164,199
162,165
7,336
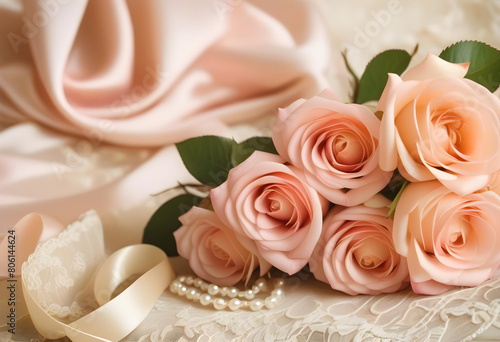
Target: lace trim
x,y
458,315
53,271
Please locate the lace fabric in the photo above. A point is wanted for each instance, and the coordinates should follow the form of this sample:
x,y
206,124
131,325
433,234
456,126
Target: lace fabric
x,y
58,272
312,311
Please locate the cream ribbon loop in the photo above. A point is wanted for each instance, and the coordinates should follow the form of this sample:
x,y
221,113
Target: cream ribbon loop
x,y
116,317
29,231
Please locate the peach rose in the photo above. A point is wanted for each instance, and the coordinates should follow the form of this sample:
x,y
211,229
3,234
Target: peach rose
x,y
356,253
493,183
212,249
273,211
438,125
449,240
336,144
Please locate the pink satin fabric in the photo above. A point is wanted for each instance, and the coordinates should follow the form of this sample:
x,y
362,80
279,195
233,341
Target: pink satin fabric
x,y
141,74
64,176
152,72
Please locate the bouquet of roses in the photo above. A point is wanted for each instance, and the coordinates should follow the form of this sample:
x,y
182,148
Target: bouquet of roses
x,y
399,187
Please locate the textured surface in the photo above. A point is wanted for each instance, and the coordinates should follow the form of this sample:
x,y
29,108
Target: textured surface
x,y
312,311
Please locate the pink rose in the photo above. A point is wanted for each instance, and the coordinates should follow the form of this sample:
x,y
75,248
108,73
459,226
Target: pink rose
x,y
449,240
356,253
438,125
336,144
273,211
212,249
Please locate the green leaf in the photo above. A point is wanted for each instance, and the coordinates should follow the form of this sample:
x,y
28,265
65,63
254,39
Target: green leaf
x,y
375,76
207,158
484,61
210,158
394,204
161,227
243,150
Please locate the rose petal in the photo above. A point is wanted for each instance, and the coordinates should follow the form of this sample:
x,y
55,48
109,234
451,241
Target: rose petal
x,y
433,66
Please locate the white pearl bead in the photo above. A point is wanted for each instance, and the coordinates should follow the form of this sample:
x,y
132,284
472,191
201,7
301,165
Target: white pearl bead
x,y
271,302
234,304
212,289
190,293
205,299
197,282
220,303
278,293
205,293
182,290
256,304
255,289
249,294
232,292
261,282
279,282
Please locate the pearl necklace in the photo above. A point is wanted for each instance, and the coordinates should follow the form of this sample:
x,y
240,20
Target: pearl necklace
x,y
197,290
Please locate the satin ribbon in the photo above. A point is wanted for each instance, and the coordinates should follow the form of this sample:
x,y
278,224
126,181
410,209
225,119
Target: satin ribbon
x,y
30,231
116,317
20,241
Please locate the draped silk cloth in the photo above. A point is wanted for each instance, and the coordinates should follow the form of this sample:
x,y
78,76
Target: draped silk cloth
x,y
152,72
142,74
45,172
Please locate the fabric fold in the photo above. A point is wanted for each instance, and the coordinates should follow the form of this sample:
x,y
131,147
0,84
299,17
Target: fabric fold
x,y
65,176
146,76
102,73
